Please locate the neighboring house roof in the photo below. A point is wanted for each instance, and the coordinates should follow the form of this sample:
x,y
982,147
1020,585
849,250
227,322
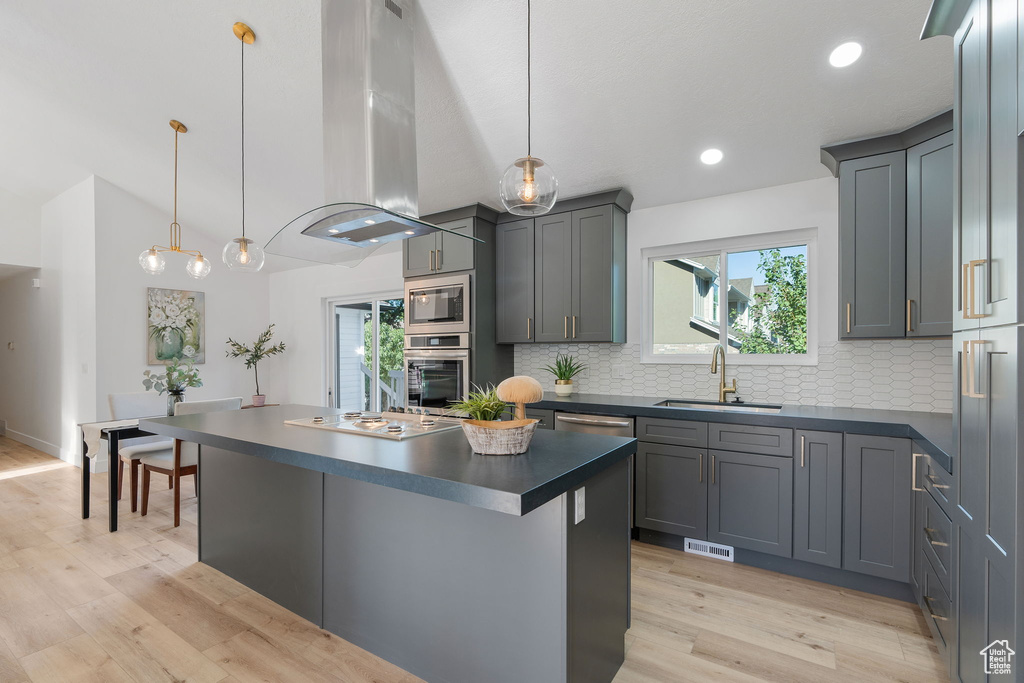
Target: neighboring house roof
x,y
741,287
704,267
761,289
709,262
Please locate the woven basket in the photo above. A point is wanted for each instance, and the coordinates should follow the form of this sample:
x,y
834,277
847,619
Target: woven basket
x,y
499,438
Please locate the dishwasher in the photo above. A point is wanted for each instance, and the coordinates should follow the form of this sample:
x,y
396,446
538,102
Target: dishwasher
x,y
609,426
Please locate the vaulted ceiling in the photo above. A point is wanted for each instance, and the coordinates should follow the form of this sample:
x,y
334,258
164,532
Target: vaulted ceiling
x,y
625,94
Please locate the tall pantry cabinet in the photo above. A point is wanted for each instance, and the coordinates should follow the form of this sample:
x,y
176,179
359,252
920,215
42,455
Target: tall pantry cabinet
x,y
987,566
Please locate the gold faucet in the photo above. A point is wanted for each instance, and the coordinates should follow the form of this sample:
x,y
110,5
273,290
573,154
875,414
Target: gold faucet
x,y
722,389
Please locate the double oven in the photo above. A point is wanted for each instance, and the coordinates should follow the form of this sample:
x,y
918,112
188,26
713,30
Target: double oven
x,y
437,342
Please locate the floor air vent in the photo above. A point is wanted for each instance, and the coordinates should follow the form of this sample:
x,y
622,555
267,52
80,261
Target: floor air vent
x,y
707,549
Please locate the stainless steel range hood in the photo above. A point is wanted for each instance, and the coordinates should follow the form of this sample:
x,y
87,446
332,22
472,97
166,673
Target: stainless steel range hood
x,y
369,120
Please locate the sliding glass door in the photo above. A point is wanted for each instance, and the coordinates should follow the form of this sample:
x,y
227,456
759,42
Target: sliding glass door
x,y
367,359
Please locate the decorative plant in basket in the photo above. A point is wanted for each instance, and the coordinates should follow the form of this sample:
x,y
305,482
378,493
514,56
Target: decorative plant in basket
x,y
486,432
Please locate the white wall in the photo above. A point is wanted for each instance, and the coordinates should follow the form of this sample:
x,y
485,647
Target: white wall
x,y
19,231
297,307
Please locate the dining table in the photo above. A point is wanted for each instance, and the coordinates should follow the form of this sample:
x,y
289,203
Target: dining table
x,y
113,432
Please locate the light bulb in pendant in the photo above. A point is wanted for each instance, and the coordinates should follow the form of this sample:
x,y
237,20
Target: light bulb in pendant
x,y
243,255
528,187
198,267
152,261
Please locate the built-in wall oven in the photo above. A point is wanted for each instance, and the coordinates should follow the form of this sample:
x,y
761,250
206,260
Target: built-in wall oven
x,y
437,305
436,371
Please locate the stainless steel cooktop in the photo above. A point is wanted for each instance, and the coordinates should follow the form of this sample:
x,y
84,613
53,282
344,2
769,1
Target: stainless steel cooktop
x,y
395,426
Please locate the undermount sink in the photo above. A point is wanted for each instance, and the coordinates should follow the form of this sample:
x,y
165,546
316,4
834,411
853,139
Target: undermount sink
x,y
721,407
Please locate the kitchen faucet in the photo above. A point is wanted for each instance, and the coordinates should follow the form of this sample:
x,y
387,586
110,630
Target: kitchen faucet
x,y
722,389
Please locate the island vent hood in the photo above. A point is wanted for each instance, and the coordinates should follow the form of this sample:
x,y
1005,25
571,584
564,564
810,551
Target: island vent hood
x,y
369,121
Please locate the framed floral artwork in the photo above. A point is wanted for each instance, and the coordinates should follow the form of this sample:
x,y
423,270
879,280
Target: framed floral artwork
x,y
176,325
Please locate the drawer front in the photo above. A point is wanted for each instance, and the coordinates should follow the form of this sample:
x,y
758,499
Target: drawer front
x,y
938,482
937,540
938,608
672,432
751,439
546,417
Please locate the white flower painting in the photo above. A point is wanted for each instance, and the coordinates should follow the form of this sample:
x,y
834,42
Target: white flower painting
x,y
176,325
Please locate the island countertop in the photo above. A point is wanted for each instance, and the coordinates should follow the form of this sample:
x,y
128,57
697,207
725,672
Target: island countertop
x,y
441,465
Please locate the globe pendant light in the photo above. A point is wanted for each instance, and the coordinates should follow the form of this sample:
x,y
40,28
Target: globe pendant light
x,y
242,254
529,186
152,259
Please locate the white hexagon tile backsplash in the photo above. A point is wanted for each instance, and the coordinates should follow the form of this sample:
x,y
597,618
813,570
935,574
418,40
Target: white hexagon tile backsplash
x,y
899,374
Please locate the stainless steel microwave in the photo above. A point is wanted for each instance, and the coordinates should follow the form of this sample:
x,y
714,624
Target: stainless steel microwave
x,y
437,305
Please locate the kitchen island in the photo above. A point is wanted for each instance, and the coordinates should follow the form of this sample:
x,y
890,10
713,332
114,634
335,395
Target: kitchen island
x,y
452,565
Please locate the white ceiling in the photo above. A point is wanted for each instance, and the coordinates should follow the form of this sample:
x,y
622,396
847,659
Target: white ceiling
x,y
620,98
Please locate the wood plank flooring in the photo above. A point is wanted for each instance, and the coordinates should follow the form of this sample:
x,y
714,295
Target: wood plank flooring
x,y
79,604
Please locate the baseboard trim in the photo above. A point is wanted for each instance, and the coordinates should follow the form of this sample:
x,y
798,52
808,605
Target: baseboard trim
x,y
38,444
805,570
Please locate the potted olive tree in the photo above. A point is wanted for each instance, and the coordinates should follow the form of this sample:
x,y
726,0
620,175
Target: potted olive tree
x,y
252,355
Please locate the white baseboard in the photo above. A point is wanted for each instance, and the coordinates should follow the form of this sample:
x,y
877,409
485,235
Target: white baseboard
x,y
37,444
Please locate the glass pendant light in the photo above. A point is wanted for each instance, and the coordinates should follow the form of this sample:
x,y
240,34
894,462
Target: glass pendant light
x,y
152,259
529,186
242,254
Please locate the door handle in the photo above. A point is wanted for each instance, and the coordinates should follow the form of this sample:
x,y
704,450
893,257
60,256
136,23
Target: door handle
x,y
967,373
967,287
910,328
600,423
913,472
928,535
847,317
933,615
700,467
574,327
802,450
431,259
565,330
712,468
935,482
439,259
529,328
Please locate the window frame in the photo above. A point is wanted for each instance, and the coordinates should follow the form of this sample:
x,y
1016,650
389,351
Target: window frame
x,y
722,246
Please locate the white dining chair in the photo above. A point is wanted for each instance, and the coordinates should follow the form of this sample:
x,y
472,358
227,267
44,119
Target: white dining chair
x,y
128,406
182,459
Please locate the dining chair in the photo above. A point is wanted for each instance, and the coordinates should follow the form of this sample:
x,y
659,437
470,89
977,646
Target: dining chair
x,y
131,405
182,459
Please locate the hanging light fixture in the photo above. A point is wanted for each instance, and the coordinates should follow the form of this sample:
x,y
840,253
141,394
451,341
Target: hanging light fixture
x,y
529,186
241,253
152,260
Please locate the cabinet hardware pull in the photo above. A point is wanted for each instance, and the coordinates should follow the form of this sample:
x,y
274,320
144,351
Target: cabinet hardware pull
x,y
431,259
910,328
529,328
700,467
565,328
439,259
935,482
585,421
847,317
712,468
932,614
968,288
574,327
802,450
928,534
967,374
913,472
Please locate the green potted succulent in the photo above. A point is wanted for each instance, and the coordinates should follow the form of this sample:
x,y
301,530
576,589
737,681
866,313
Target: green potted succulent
x,y
177,376
486,432
565,368
252,355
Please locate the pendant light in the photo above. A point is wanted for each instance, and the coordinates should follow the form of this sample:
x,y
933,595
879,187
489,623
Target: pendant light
x,y
242,254
528,187
152,260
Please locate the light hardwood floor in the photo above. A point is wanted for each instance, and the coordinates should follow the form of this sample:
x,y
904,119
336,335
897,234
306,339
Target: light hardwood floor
x,y
79,604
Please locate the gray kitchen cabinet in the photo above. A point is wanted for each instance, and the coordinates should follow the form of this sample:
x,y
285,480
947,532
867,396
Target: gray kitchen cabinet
x,y
872,245
750,502
672,432
514,273
672,489
751,438
440,252
818,498
552,263
546,417
930,167
598,275
877,506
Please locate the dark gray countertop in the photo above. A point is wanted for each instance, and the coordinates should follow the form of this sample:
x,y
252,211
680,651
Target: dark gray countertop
x,y
932,431
440,465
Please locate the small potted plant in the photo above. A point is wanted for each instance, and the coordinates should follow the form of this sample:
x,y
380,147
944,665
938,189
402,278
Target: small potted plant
x,y
252,355
486,432
179,375
565,368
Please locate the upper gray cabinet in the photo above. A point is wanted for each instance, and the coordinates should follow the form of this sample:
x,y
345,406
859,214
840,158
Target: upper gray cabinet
x,y
562,276
440,252
896,219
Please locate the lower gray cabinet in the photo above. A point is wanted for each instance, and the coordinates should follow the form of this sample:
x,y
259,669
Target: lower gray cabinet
x,y
818,498
877,506
546,417
671,489
750,502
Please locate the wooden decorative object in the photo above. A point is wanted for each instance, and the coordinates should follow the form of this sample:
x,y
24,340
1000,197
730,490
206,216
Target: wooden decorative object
x,y
493,437
520,390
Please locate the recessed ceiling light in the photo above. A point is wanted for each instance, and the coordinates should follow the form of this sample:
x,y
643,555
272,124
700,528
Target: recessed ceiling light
x,y
410,232
375,241
711,156
369,221
333,231
845,55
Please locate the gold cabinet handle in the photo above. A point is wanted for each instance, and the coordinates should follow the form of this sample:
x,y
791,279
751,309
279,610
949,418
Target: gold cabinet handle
x,y
431,259
565,328
574,327
700,467
438,259
967,287
935,482
802,450
967,374
928,535
529,328
932,614
848,306
913,472
910,328
712,468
